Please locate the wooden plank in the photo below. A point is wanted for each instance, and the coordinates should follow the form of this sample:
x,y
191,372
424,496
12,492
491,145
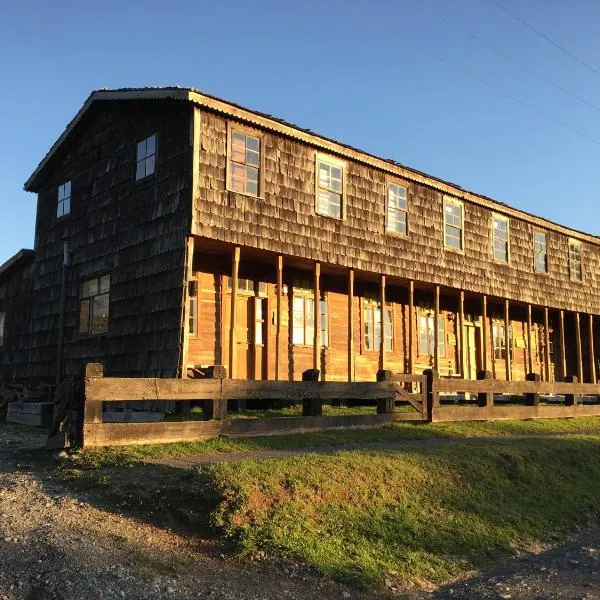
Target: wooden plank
x,y
411,325
579,352
235,266
452,385
436,334
317,317
591,346
185,351
507,340
563,348
278,329
546,344
382,323
415,400
350,324
407,378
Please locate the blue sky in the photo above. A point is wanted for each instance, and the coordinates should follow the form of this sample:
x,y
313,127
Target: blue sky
x,y
387,77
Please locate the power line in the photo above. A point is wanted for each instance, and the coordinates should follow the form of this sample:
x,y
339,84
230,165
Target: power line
x,y
477,78
516,61
546,37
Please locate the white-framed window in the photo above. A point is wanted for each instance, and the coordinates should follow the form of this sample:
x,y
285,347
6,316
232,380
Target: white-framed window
x,y
244,162
427,335
501,340
540,251
372,325
246,286
397,209
63,205
453,223
146,157
575,261
330,187
303,308
94,306
500,238
2,327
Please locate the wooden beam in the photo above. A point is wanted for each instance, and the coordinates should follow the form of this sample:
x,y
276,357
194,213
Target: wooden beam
x,y
350,324
411,325
563,348
189,277
461,332
507,340
484,336
436,333
579,353
278,328
235,267
317,318
382,323
546,344
592,355
529,348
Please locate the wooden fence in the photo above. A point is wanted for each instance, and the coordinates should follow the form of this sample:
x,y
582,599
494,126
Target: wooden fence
x,y
433,399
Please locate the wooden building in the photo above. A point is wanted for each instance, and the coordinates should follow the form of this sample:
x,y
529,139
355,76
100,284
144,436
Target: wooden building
x,y
177,230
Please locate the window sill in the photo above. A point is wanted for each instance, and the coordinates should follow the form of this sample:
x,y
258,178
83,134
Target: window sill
x,y
321,214
397,234
245,194
455,250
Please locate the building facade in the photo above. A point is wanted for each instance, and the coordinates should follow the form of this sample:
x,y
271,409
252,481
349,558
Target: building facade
x,y
176,231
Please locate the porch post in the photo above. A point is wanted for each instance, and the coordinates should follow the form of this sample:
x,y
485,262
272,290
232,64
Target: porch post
x,y
350,324
278,329
529,349
484,352
411,324
578,342
507,340
563,348
382,323
461,330
546,344
189,277
317,318
436,332
235,267
592,356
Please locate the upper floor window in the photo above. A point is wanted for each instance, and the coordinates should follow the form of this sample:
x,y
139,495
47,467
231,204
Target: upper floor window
x,y
575,266
63,206
146,157
453,223
540,252
244,165
93,309
2,324
303,304
427,336
501,341
330,187
500,238
397,208
372,325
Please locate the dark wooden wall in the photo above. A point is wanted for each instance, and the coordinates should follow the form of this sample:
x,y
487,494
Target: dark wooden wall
x,y
284,221
135,231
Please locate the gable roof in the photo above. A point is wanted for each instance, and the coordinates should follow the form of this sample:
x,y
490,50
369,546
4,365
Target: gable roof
x,y
283,127
21,259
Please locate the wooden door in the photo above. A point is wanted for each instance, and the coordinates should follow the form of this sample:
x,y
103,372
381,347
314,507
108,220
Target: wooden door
x,y
243,330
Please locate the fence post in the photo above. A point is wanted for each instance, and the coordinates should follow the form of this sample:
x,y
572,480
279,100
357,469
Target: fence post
x,y
312,407
433,396
532,399
386,405
92,410
571,399
217,407
485,398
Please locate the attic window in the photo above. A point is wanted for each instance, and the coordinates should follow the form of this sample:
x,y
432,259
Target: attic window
x,y
146,157
575,268
330,187
245,162
63,206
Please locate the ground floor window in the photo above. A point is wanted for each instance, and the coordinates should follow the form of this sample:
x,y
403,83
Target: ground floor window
x,y
372,325
95,300
303,307
500,341
427,336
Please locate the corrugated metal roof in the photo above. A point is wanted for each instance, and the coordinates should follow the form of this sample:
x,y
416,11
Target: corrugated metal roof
x,y
233,109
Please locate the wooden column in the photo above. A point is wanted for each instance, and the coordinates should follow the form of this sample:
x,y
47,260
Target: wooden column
x,y
351,325
461,333
578,342
382,325
317,317
436,333
563,348
592,356
529,349
235,267
278,329
411,325
484,351
189,277
546,344
507,340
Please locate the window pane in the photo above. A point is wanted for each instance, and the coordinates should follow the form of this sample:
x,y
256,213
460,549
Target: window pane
x,y
141,150
238,177
388,329
441,338
423,346
105,283
150,161
193,316
377,328
140,171
368,319
324,175
151,145
238,147
100,314
90,287
310,322
84,316
298,333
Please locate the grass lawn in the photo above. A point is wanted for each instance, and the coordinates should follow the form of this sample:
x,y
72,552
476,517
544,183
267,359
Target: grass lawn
x,y
415,516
